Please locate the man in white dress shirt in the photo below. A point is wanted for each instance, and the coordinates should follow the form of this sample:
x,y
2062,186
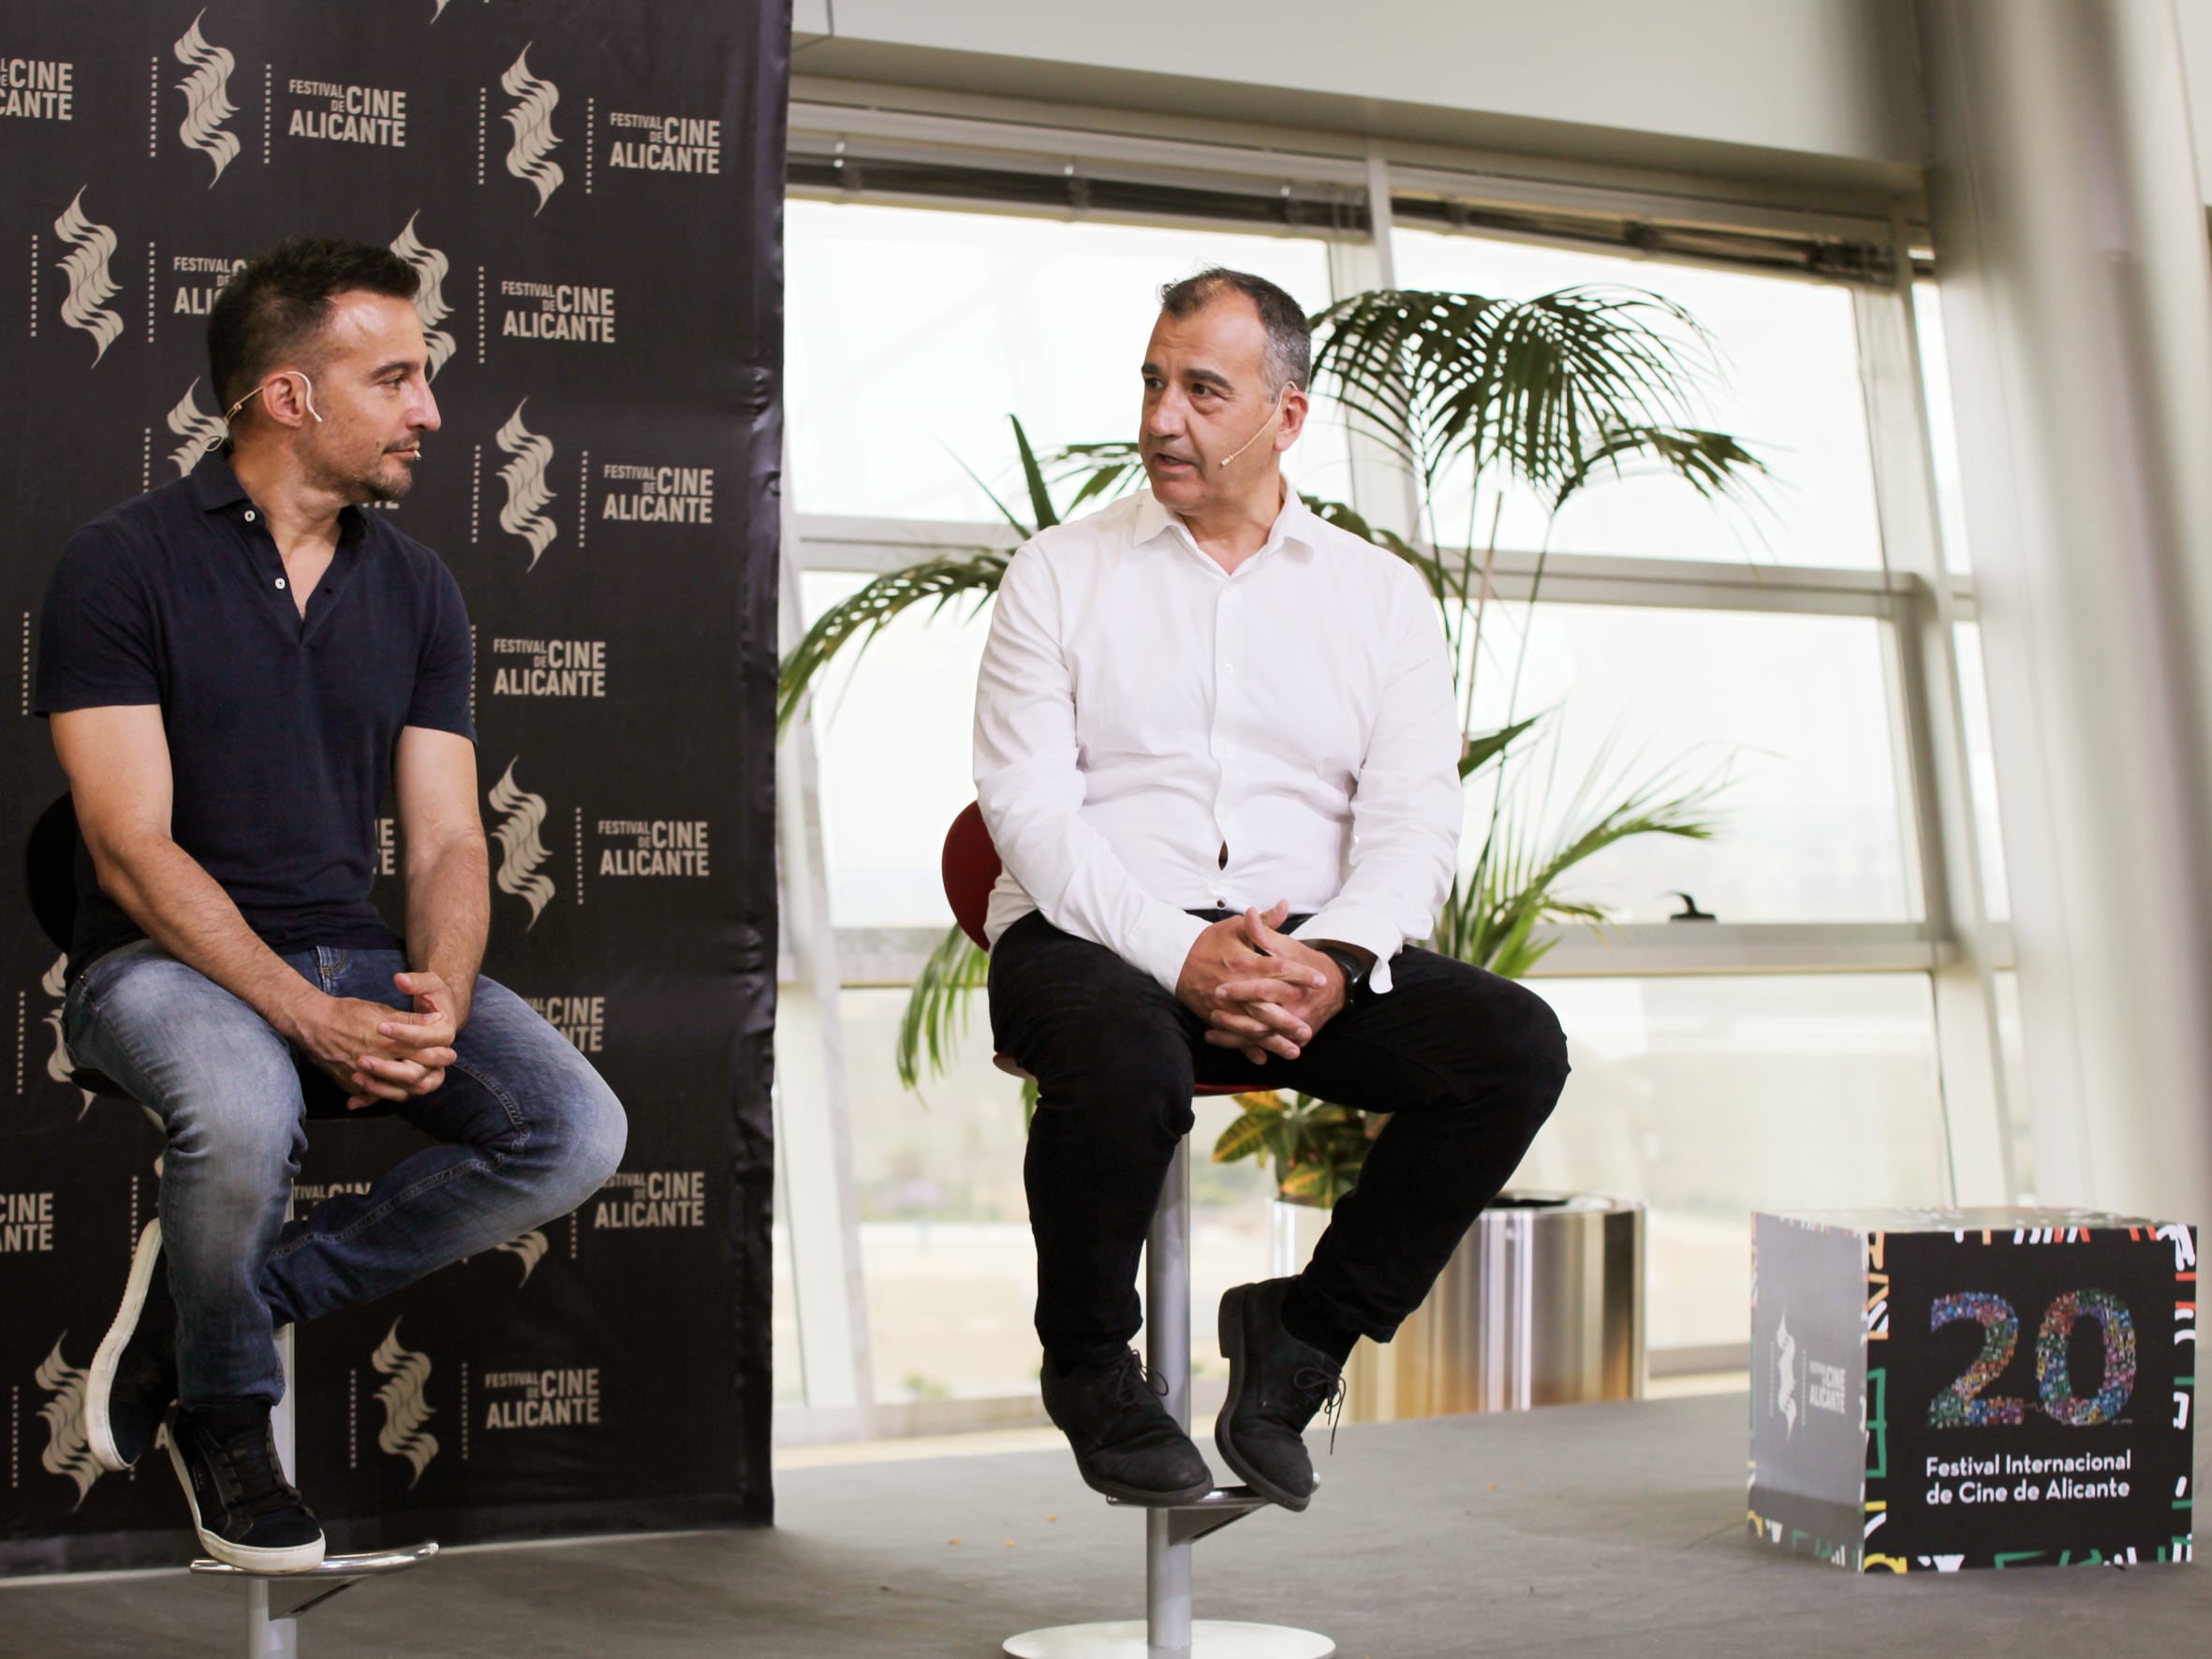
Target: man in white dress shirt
x,y
1217,746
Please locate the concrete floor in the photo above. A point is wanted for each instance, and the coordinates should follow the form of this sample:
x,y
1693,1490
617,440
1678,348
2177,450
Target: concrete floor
x,y
1614,1530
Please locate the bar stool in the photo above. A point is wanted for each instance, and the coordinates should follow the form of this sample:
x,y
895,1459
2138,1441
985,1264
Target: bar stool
x,y
275,1601
971,866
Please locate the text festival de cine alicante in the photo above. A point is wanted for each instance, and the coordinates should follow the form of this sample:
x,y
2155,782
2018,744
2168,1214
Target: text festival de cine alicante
x,y
1970,1473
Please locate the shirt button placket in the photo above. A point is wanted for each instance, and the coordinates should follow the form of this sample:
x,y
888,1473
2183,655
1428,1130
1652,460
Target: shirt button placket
x,y
1225,644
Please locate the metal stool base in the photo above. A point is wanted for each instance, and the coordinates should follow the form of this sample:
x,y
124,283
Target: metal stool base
x,y
1210,1639
289,1594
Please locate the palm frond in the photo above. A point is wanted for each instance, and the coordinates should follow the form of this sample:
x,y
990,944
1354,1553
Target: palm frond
x,y
935,1015
855,622
1714,464
1527,387
1491,914
1040,499
1107,470
1490,744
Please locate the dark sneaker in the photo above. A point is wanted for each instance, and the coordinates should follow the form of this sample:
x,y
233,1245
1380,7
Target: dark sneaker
x,y
133,1381
1126,1443
249,1514
1276,1385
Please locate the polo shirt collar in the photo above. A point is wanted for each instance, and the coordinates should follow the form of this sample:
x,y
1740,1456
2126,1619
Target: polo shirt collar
x,y
215,486
1296,526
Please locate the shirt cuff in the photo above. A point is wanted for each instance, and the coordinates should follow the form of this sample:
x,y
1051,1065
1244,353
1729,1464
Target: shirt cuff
x,y
1163,944
1370,930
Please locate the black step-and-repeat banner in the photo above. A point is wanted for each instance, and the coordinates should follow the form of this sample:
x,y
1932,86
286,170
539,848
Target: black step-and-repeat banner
x,y
592,191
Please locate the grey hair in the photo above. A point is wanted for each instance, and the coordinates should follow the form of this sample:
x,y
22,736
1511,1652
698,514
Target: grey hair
x,y
1288,359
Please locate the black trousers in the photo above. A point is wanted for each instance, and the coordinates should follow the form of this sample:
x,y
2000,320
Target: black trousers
x,y
1468,1064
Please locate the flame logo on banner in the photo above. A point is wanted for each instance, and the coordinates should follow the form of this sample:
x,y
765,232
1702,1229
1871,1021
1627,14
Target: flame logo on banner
x,y
201,431
521,851
430,293
441,12
529,1250
67,1452
60,1065
91,285
207,99
404,1409
525,477
530,157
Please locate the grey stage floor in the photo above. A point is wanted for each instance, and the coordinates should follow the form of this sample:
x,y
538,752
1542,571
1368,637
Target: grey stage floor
x,y
1584,1531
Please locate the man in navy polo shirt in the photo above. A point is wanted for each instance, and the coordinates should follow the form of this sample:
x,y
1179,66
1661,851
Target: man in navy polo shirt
x,y
236,667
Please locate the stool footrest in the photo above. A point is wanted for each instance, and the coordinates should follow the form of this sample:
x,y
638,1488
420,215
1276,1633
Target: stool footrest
x,y
292,1593
1187,1522
333,1566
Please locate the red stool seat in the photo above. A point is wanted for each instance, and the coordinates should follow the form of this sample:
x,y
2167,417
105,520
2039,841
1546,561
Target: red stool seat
x,y
971,866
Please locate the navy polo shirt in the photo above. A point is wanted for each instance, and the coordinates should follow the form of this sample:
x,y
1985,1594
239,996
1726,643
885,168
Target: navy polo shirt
x,y
281,727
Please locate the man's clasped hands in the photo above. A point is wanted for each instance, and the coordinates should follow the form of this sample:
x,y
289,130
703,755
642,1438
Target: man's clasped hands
x,y
375,1053
1259,991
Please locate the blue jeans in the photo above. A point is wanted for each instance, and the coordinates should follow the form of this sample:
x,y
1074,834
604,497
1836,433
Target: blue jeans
x,y
526,1131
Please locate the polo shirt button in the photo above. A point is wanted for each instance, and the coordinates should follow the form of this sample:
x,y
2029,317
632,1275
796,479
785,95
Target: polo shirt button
x,y
280,581
249,515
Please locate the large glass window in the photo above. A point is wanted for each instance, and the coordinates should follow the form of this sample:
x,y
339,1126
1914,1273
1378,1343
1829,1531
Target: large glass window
x,y
912,334
892,728
1973,690
1935,378
1785,717
1712,1097
1787,385
945,1228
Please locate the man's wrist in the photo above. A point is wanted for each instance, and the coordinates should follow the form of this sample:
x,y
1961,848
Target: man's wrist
x,y
1352,963
294,1005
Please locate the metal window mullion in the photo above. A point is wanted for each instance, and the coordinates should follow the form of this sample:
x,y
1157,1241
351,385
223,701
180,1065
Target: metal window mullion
x,y
891,956
814,1139
1977,1119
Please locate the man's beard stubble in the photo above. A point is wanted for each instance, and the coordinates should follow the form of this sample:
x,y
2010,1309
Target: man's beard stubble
x,y
389,481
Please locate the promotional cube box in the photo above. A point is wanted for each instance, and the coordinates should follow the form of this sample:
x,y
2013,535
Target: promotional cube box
x,y
1933,1389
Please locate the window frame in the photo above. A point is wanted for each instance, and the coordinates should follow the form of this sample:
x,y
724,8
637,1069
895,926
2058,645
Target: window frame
x,y
1913,594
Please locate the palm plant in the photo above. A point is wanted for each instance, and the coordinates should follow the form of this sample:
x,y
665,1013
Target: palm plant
x,y
1548,395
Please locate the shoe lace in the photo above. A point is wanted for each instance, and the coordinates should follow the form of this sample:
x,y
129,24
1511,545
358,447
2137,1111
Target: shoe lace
x,y
1132,1380
1319,1390
255,1473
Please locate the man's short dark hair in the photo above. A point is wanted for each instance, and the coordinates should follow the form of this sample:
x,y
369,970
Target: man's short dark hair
x,y
277,302
1290,338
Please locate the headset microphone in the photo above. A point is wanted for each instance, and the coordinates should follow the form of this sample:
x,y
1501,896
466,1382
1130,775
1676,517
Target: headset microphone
x,y
307,386
1273,409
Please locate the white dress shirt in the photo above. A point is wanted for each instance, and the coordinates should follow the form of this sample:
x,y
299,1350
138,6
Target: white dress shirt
x,y
1140,710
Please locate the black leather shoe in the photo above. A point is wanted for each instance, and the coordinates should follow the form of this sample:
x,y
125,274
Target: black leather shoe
x,y
1126,1443
247,1514
1276,1385
133,1381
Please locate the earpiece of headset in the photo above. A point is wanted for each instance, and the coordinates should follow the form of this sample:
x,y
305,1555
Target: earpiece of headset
x,y
1272,410
307,388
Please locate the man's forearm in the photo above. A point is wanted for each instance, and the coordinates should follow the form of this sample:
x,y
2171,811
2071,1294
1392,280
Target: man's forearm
x,y
182,909
448,915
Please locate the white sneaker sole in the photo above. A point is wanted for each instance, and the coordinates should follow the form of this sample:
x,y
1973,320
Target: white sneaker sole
x,y
99,1431
299,1558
